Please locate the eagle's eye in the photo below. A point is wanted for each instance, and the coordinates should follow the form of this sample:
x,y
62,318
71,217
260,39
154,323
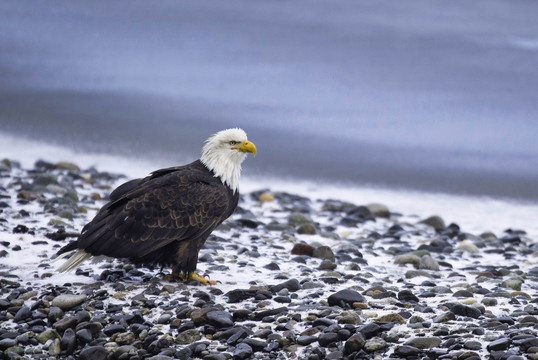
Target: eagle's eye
x,y
233,143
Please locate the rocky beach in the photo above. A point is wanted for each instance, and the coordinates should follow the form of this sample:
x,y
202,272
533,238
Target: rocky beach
x,y
298,278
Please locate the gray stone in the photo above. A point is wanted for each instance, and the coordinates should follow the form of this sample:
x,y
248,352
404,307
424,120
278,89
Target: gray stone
x,y
473,345
304,340
68,301
54,347
124,349
468,245
188,337
375,344
220,319
323,252
55,313
7,343
297,219
164,319
428,263
327,265
514,284
160,357
125,338
424,342
435,222
448,316
379,210
407,259
416,273
64,323
242,351
307,229
47,335
463,294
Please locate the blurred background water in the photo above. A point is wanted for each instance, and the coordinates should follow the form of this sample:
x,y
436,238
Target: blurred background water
x,y
423,95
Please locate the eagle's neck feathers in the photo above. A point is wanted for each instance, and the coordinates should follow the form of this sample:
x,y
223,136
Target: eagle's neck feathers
x,y
225,162
227,167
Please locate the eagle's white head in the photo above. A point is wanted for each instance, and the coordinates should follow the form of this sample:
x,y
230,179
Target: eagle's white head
x,y
224,152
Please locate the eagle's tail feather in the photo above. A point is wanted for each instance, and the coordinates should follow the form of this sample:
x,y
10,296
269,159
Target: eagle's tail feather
x,y
78,258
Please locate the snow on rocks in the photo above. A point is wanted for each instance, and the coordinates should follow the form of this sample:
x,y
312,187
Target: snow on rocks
x,y
298,278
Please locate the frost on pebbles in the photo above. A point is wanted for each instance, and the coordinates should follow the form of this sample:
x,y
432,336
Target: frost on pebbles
x,y
299,278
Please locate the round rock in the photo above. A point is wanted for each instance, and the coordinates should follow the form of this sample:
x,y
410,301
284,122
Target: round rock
x,y
68,301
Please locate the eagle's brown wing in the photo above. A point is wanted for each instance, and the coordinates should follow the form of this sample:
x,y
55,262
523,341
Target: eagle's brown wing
x,y
147,214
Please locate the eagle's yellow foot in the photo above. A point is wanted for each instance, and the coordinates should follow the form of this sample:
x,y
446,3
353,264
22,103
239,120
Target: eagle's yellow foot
x,y
176,275
201,279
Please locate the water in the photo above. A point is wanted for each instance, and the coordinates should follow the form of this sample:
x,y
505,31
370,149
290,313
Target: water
x,y
431,96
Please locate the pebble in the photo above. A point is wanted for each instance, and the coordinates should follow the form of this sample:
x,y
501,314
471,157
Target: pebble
x,y
242,351
375,344
435,222
93,353
68,301
298,278
345,298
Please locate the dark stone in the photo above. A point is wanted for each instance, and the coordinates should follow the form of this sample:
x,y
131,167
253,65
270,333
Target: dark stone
x,y
406,351
499,344
84,336
220,319
272,266
65,323
237,336
345,298
325,322
242,351
257,316
23,314
304,340
282,299
303,249
251,224
7,343
93,353
463,293
354,343
407,295
326,339
20,229
526,344
292,285
110,330
369,330
238,295
68,343
256,345
465,310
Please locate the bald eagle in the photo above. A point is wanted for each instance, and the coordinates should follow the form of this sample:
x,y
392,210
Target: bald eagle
x,y
166,217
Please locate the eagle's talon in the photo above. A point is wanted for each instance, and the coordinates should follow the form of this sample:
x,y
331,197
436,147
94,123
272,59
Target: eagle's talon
x,y
201,279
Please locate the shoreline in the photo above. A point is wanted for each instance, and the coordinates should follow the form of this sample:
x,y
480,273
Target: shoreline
x,y
326,279
478,213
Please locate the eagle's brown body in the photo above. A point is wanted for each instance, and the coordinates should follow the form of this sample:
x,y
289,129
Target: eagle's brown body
x,y
163,219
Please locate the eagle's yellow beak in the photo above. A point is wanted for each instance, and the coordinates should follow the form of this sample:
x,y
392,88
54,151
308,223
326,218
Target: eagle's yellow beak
x,y
247,146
